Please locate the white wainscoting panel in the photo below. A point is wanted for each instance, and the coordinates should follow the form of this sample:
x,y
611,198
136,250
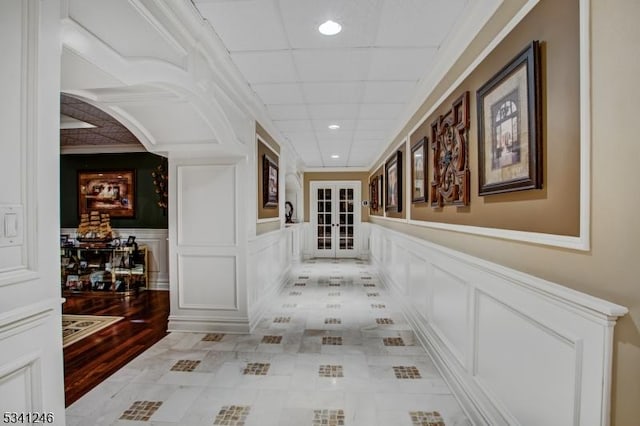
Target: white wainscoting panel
x,y
515,349
212,282
207,193
504,347
270,258
450,311
208,274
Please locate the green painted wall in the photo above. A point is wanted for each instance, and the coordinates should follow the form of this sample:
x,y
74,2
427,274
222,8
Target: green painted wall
x,y
148,214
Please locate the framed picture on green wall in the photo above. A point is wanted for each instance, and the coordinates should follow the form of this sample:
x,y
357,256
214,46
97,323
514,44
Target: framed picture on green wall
x,y
111,192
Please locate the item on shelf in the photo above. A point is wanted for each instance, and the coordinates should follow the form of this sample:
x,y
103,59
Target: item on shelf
x,y
104,268
94,227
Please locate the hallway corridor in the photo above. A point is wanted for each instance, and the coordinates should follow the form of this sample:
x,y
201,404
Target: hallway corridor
x,y
332,349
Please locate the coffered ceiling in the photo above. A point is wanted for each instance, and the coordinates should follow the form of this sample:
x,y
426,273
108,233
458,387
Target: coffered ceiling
x,y
361,79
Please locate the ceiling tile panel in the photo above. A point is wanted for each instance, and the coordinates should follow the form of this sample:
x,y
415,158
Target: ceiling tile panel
x,y
407,64
417,23
375,124
288,112
265,67
334,112
380,111
294,125
332,65
371,134
357,17
245,25
388,91
280,93
332,93
323,126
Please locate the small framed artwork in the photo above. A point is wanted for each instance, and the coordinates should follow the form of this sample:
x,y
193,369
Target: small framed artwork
x,y
373,187
111,192
419,171
393,177
380,191
509,126
269,182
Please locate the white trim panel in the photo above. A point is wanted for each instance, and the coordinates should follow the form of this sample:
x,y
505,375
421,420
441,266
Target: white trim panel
x,y
516,349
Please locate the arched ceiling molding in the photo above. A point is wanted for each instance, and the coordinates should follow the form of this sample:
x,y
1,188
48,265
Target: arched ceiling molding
x,y
160,86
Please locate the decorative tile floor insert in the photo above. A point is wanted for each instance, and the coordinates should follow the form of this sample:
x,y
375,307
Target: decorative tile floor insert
x,y
282,320
299,284
426,418
272,340
303,277
141,410
384,321
373,294
332,340
332,321
334,284
256,369
185,365
407,372
378,306
393,341
232,415
330,371
295,293
328,418
369,285
213,337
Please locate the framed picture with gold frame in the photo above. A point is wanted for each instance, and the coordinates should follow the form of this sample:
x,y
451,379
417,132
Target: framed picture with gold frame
x,y
107,191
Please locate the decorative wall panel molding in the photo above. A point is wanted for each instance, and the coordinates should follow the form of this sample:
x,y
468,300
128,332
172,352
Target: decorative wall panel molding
x,y
270,258
450,146
516,349
208,282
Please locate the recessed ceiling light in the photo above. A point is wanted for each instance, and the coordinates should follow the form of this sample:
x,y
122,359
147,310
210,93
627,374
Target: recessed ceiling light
x,y
334,126
335,156
330,28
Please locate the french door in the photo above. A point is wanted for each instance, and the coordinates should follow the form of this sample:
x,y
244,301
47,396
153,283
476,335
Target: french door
x,y
335,218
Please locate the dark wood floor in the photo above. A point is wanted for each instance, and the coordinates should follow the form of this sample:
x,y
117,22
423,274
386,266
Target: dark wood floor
x,y
91,360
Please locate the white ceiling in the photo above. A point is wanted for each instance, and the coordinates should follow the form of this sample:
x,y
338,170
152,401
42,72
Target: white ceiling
x,y
361,79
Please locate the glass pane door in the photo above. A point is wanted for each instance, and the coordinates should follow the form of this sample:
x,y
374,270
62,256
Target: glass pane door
x,y
335,215
346,212
324,218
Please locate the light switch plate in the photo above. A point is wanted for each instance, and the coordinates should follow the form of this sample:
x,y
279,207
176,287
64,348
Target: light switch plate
x,y
11,225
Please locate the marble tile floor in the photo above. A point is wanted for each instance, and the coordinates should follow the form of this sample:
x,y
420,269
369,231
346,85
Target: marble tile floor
x,y
318,357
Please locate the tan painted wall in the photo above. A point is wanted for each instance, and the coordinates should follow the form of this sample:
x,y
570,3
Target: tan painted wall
x,y
363,177
555,209
611,269
268,147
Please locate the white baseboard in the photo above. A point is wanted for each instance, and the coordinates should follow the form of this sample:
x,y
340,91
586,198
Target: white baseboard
x,y
208,325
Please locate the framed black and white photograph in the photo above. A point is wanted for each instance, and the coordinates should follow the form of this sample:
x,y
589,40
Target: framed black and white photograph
x,y
269,182
509,126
